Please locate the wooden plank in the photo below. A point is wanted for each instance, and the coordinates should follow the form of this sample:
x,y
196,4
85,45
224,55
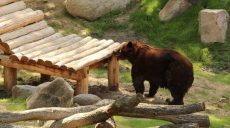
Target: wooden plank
x,y
83,84
5,2
10,8
27,19
15,14
23,31
94,58
77,75
34,54
54,59
10,79
85,51
30,52
37,43
113,74
62,51
34,36
50,53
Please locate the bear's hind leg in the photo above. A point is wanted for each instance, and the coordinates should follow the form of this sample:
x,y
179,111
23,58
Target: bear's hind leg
x,y
152,90
178,97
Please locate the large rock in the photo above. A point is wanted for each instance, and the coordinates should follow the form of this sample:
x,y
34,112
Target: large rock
x,y
22,91
86,99
57,93
174,8
93,9
213,25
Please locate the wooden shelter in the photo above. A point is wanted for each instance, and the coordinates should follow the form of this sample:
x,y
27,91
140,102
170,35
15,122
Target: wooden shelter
x,y
29,43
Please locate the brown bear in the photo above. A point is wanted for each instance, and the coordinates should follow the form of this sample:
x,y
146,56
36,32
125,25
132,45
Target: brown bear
x,y
164,68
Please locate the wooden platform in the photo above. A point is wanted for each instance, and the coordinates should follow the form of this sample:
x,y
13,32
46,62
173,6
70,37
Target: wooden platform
x,y
29,43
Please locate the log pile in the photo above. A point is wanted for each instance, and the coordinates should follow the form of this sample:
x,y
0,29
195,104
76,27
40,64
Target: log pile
x,y
102,112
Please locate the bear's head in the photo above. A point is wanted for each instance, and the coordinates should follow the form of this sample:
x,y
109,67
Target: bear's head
x,y
128,50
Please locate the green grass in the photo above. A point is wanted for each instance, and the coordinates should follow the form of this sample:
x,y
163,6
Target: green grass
x,y
219,122
125,122
220,77
13,104
182,32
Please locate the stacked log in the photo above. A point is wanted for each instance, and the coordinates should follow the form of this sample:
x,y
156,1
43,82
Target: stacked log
x,y
180,115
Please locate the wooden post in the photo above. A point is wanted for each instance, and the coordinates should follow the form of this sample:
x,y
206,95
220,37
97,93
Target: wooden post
x,y
10,79
44,78
82,85
113,72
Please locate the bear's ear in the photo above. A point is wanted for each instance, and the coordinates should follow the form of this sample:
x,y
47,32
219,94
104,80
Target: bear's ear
x,y
130,44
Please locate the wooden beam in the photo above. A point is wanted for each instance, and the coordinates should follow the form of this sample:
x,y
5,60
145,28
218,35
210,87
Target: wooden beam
x,y
16,23
113,72
10,79
82,84
10,8
77,75
23,31
5,2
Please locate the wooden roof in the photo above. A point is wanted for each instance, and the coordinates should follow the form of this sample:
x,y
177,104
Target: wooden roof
x,y
27,38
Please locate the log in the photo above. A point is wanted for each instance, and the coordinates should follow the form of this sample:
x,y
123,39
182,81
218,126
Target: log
x,y
113,73
34,36
83,84
54,113
110,123
81,52
48,49
27,19
5,2
37,43
35,50
10,79
23,31
64,52
98,115
68,56
185,125
10,8
15,14
68,44
94,58
44,70
201,120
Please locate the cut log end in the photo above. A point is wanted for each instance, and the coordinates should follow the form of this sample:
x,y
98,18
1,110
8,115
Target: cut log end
x,y
24,59
14,58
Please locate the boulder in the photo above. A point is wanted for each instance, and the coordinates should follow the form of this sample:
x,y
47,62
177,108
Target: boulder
x,y
213,25
22,91
93,9
57,93
174,8
86,99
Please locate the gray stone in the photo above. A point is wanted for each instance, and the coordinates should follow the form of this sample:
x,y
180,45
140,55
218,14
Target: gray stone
x,y
174,8
57,93
86,99
213,25
22,91
93,9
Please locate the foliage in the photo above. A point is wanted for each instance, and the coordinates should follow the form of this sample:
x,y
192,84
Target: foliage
x,y
182,32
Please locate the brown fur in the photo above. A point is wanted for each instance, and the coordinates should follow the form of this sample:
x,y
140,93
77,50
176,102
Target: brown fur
x,y
161,67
